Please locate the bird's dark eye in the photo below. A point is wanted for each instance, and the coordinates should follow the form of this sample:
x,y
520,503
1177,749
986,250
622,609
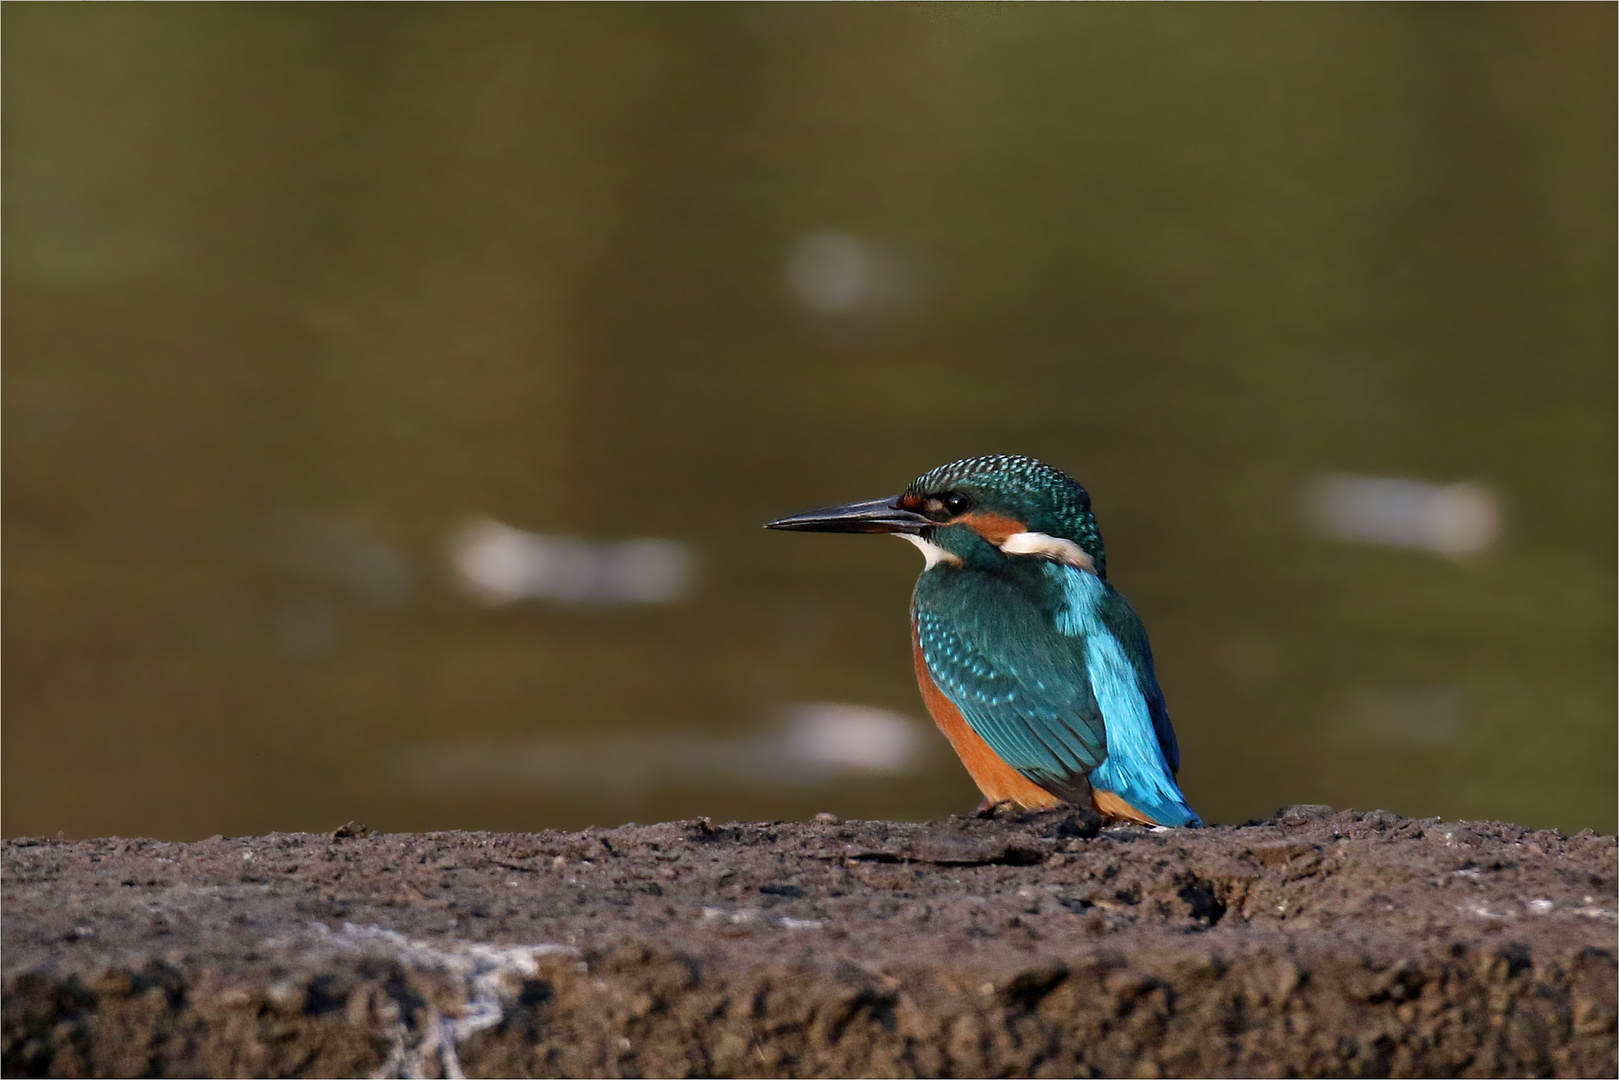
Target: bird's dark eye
x,y
949,505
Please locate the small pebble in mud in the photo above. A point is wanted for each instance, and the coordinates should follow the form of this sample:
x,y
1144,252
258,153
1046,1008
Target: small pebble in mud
x,y
824,818
773,888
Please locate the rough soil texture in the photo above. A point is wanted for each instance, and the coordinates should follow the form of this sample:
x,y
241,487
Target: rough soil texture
x,y
1314,944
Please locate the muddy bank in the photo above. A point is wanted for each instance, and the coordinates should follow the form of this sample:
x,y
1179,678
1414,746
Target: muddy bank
x,y
1318,943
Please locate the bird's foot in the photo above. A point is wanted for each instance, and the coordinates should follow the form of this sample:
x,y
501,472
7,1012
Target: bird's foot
x,y
1001,810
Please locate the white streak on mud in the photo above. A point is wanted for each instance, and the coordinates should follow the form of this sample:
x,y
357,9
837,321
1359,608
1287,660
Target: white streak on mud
x,y
490,977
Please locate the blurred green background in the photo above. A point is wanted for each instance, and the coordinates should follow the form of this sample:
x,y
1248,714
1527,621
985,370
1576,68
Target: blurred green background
x,y
326,326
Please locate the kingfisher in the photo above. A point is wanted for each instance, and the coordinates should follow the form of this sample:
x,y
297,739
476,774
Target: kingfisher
x,y
1034,667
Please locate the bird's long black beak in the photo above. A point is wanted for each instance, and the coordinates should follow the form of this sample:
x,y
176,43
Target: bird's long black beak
x,y
875,516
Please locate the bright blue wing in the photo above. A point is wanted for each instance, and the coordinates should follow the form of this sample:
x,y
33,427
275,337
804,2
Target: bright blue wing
x,y
1059,698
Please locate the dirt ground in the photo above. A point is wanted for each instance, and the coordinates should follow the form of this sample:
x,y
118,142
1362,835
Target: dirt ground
x,y
1318,943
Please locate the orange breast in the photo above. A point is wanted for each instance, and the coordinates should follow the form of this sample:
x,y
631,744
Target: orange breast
x,y
995,778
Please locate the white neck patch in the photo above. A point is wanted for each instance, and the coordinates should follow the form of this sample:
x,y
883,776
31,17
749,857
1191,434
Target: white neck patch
x,y
933,553
1054,548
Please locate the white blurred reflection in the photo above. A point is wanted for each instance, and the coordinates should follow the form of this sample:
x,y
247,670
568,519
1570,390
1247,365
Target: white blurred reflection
x,y
831,272
836,273
1455,519
812,745
499,564
850,737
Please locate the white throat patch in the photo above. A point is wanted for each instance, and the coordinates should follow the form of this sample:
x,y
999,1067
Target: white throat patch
x,y
933,553
1054,548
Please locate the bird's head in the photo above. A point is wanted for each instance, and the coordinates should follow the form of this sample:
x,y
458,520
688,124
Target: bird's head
x,y
978,512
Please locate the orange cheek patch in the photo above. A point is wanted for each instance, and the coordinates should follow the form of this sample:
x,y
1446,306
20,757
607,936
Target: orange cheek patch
x,y
993,527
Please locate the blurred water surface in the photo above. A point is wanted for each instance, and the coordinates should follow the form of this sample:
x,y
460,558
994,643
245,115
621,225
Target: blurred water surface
x,y
1316,299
